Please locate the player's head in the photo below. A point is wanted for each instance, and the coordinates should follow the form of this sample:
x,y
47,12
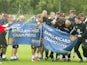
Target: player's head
x,y
40,18
72,13
60,22
44,13
67,23
81,16
77,20
21,18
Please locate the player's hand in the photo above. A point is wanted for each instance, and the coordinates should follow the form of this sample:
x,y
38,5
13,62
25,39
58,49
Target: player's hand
x,y
53,22
79,36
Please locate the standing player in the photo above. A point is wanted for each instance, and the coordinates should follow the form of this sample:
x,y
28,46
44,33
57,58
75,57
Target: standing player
x,y
36,51
84,43
79,28
3,21
72,17
15,47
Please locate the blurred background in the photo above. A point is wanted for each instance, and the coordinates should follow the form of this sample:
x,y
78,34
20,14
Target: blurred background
x,y
36,6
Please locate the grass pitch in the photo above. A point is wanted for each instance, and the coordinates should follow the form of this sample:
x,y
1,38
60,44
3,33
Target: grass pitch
x,y
24,54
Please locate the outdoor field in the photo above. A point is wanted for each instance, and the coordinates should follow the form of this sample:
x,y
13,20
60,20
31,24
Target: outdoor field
x,y
24,54
55,25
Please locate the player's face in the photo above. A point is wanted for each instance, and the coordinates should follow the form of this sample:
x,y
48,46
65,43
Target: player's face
x,y
11,18
72,14
52,15
41,19
82,18
77,21
67,23
44,14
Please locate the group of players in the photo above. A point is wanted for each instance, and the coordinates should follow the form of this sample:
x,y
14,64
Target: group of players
x,y
75,25
7,20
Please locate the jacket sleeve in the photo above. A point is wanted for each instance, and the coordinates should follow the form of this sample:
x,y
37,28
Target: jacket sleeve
x,y
84,31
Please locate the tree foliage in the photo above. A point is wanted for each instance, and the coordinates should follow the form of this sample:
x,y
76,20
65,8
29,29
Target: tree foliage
x,y
36,6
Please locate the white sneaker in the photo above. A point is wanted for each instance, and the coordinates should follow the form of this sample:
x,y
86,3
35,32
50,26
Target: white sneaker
x,y
3,56
0,62
38,58
14,58
85,58
33,59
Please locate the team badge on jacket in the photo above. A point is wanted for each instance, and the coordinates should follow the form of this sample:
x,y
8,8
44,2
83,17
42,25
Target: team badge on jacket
x,y
72,37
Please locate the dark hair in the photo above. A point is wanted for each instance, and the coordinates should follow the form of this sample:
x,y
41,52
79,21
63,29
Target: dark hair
x,y
58,13
77,17
62,14
81,15
38,16
61,21
72,11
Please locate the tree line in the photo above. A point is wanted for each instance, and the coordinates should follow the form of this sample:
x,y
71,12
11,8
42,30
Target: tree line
x,y
36,6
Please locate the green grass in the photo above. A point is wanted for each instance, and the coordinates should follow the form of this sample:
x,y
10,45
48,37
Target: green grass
x,y
24,53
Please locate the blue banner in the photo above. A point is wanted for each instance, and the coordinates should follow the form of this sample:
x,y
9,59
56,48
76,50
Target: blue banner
x,y
25,33
58,41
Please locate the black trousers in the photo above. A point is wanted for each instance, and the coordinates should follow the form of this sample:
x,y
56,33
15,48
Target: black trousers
x,y
67,55
84,51
52,55
0,52
3,42
46,53
76,48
